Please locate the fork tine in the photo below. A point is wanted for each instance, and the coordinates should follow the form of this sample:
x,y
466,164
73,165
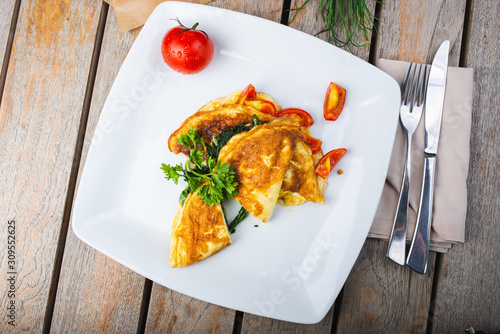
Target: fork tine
x,y
415,87
423,88
404,87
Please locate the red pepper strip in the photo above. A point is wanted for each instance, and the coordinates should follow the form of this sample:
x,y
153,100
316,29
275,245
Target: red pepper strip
x,y
248,93
262,106
304,118
328,161
334,102
314,143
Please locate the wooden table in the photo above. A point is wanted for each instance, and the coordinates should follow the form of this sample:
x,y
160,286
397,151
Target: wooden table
x,y
60,59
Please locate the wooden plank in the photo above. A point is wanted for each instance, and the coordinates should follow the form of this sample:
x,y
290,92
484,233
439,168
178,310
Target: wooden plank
x,y
467,291
8,21
268,9
412,31
378,293
164,314
6,12
95,293
256,324
39,121
173,312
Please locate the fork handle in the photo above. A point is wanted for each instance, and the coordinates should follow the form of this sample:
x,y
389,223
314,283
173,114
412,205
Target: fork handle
x,y
419,249
396,251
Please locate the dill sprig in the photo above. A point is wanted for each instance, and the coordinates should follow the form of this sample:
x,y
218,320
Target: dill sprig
x,y
352,16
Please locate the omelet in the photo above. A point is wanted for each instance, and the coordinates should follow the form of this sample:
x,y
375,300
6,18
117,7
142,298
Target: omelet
x,y
209,122
261,157
199,231
300,182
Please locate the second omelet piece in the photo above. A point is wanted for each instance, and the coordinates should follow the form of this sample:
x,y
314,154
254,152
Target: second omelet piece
x,y
261,157
199,231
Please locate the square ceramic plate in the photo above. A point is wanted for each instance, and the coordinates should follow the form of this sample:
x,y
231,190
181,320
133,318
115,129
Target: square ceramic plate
x,y
291,268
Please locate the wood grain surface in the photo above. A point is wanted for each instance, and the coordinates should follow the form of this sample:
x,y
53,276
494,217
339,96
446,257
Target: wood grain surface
x,y
256,324
173,312
268,9
6,14
95,293
413,30
374,278
467,284
58,77
39,119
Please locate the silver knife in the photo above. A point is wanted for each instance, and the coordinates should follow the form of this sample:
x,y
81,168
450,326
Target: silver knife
x,y
419,249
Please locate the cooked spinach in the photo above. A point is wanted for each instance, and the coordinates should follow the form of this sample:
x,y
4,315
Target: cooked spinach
x,y
218,141
242,214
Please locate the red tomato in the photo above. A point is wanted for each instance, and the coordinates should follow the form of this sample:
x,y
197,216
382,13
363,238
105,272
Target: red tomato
x,y
262,106
314,143
249,93
328,161
187,50
334,102
304,118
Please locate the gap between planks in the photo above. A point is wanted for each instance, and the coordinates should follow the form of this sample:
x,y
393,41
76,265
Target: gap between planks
x,y
377,17
464,50
74,171
8,47
143,313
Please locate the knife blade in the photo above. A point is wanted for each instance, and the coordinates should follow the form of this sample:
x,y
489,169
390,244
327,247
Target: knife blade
x,y
433,112
435,98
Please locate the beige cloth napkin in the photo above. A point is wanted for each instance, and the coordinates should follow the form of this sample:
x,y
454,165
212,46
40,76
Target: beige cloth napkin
x,y
450,189
134,13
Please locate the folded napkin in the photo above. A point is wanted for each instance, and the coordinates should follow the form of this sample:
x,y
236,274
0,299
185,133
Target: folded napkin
x,y
134,13
452,162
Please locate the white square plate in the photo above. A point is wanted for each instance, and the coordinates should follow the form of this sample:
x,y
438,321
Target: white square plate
x,y
291,268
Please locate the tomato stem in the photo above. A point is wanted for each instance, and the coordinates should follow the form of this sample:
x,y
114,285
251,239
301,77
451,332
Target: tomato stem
x,y
186,28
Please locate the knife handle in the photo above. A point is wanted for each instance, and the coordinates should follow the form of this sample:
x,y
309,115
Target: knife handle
x,y
419,249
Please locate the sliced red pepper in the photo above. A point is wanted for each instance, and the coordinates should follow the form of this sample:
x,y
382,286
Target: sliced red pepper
x,y
334,102
314,143
249,93
262,106
304,118
328,161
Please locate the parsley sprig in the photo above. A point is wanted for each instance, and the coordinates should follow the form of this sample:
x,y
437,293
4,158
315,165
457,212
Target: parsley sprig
x,y
213,180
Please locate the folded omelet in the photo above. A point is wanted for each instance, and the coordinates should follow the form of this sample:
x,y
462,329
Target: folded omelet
x,y
300,182
210,122
261,157
272,163
199,231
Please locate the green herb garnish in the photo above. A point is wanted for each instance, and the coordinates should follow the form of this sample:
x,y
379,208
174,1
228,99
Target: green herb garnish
x,y
352,16
213,180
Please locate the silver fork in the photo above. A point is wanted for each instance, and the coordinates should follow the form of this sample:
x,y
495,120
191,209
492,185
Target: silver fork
x,y
413,93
